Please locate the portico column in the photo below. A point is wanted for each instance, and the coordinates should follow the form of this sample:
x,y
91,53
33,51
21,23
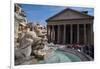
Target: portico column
x,y
53,34
92,34
85,33
77,33
50,33
58,34
64,35
71,33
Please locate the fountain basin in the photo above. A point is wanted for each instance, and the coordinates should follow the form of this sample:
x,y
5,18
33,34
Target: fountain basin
x,y
66,55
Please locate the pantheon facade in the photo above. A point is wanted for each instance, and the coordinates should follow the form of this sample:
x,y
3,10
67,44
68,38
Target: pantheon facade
x,y
70,26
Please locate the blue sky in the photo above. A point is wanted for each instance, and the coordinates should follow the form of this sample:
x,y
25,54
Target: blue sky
x,y
39,13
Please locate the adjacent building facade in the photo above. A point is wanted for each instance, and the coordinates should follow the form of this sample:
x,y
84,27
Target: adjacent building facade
x,y
70,26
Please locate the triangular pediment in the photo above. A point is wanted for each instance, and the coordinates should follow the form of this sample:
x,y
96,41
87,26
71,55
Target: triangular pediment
x,y
69,14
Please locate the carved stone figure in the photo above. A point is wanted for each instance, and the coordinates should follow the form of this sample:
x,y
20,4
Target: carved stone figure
x,y
29,44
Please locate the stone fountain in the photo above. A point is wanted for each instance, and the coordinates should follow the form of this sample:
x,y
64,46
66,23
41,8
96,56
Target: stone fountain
x,y
34,49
